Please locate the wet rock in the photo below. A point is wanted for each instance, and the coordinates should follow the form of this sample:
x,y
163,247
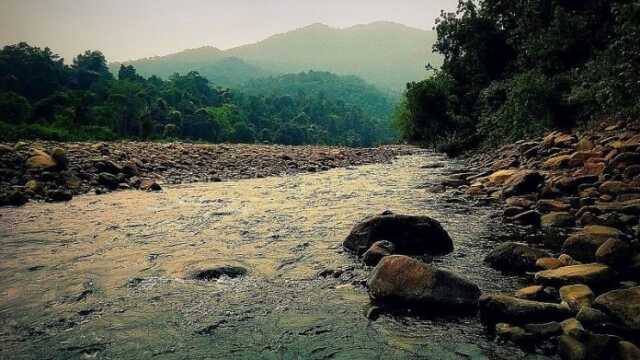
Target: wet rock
x,y
108,180
58,195
627,351
523,182
557,219
519,202
567,260
513,333
548,263
377,251
623,305
571,349
533,292
409,234
576,296
544,330
512,256
13,197
503,308
501,176
591,317
403,279
546,205
217,272
59,155
589,274
584,244
530,217
614,252
573,328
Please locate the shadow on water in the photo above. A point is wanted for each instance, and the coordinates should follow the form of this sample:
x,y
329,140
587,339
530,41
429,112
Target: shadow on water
x,y
108,276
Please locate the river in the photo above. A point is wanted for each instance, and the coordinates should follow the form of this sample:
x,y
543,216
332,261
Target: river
x,y
105,277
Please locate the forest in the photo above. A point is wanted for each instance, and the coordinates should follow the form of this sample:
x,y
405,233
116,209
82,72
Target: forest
x,y
43,98
513,69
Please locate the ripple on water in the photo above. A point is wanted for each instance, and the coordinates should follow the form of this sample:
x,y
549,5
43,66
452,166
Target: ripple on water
x,y
136,248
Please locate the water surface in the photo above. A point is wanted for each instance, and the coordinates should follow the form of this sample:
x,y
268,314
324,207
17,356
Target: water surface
x,y
104,276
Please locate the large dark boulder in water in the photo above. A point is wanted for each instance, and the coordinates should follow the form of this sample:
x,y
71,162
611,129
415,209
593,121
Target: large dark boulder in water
x,y
402,279
410,234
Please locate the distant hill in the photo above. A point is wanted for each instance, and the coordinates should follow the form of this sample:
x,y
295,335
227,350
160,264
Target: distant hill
x,y
383,53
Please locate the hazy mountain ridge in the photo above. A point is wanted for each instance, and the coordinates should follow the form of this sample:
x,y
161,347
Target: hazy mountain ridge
x,y
383,53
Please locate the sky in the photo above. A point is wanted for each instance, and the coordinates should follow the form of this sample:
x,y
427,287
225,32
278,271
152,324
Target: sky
x,y
132,29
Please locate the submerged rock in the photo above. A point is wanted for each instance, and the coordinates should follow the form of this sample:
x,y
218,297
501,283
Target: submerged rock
x,y
399,278
512,256
409,234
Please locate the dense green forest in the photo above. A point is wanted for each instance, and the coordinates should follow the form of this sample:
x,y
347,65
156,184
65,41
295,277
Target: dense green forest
x,y
41,97
513,69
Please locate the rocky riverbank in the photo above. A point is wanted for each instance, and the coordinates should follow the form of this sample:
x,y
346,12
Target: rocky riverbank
x,y
55,171
581,192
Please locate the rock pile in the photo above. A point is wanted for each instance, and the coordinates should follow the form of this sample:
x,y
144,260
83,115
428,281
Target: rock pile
x,y
585,302
54,171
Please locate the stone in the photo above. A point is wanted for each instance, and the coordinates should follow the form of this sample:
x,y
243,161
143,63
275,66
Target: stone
x,y
501,176
59,155
530,217
625,159
108,166
533,292
34,186
377,251
632,171
557,219
580,157
520,202
109,180
40,160
399,278
548,263
584,244
615,187
502,308
594,274
544,330
584,145
627,351
215,273
571,349
13,197
573,328
513,333
557,162
516,257
409,234
614,252
576,296
58,195
149,185
523,182
591,317
623,305
567,260
552,205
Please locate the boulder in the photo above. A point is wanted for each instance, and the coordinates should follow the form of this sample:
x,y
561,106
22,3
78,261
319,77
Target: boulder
x,y
399,278
530,217
59,155
573,328
594,274
109,180
623,305
13,197
627,351
576,296
149,185
591,317
523,182
571,349
544,330
513,333
58,195
516,257
377,251
409,234
584,244
40,160
614,252
502,308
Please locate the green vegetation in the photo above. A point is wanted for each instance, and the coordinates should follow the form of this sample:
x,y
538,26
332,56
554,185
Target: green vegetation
x,y
513,69
41,97
385,54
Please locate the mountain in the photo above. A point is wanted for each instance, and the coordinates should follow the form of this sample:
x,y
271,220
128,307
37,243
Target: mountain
x,y
383,53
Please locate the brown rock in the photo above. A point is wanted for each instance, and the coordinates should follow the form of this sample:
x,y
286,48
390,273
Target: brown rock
x,y
40,160
557,219
512,256
576,296
548,263
552,205
627,351
623,305
404,279
557,162
499,308
614,252
533,292
377,251
591,274
571,349
615,187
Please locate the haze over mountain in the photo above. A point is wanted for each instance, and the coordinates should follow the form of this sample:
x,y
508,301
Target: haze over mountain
x,y
383,53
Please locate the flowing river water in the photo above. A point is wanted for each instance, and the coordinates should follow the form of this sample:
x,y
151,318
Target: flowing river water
x,y
106,277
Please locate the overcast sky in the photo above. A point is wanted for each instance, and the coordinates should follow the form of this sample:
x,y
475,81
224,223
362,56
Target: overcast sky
x,y
131,29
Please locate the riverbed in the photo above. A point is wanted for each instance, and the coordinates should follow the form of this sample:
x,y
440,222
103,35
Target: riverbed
x,y
106,277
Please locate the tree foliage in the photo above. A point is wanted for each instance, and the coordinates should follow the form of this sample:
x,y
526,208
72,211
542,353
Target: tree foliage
x,y
519,67
42,97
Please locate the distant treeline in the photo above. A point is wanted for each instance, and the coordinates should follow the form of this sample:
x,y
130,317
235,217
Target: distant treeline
x,y
41,97
515,68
